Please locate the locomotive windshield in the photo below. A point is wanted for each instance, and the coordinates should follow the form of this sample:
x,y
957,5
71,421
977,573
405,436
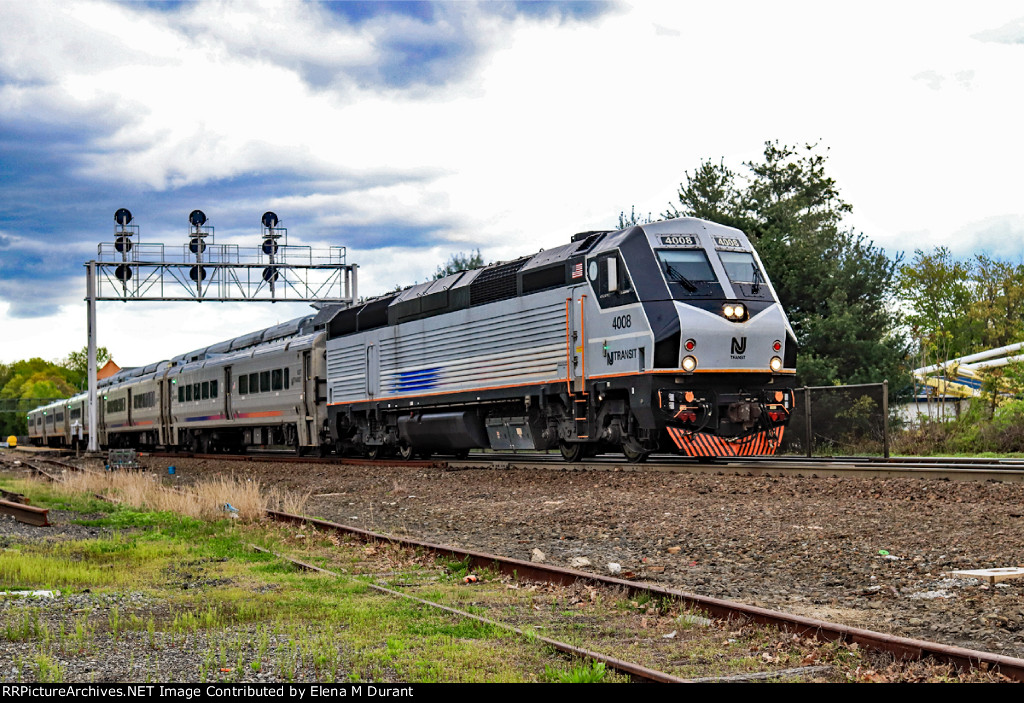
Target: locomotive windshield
x,y
741,267
687,267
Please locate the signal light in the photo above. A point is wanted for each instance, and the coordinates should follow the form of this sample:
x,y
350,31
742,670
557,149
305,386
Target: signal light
x,y
690,344
777,345
123,216
122,244
123,272
197,273
197,218
269,220
270,274
269,247
196,245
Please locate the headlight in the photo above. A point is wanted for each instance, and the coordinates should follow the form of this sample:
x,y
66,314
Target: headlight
x,y
776,363
689,363
734,311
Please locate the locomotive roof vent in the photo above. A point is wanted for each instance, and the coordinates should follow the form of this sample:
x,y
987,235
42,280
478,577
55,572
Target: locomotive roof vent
x,y
583,235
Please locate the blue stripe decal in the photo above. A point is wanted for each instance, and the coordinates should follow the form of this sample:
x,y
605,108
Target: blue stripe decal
x,y
420,380
204,417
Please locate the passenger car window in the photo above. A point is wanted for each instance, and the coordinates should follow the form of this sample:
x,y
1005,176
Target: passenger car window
x,y
275,377
264,381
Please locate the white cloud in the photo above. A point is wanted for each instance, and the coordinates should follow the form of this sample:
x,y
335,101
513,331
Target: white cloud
x,y
554,131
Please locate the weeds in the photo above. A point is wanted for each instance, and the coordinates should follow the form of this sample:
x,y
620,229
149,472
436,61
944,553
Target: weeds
x,y
592,672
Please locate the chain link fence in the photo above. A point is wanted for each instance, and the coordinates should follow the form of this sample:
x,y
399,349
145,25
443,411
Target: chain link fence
x,y
839,421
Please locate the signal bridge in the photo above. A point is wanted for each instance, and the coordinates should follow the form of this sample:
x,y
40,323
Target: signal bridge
x,y
202,270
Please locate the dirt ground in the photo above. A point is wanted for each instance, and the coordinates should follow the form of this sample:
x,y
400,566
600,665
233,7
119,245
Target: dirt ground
x,y
871,553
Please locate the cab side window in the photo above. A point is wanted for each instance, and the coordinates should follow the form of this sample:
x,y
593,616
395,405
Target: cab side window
x,y
610,280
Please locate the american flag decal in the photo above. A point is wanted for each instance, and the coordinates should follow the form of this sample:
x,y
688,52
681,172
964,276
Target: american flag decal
x,y
577,270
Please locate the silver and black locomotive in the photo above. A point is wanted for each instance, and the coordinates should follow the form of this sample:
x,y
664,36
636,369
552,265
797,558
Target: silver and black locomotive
x,y
666,336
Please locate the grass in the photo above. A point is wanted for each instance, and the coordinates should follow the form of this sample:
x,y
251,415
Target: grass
x,y
242,612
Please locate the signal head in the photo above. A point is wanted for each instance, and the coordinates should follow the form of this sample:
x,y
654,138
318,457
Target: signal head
x,y
197,218
270,220
123,216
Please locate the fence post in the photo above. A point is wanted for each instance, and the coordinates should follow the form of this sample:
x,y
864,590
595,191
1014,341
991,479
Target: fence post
x,y
885,418
807,420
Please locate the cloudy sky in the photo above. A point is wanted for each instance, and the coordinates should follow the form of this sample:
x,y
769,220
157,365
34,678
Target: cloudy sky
x,y
407,131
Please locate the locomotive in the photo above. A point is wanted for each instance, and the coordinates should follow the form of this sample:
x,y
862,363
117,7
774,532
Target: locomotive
x,y
660,337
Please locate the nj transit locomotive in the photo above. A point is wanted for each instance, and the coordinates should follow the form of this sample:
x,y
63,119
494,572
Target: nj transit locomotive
x,y
666,336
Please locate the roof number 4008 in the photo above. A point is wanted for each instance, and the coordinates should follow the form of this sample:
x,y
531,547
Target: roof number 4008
x,y
621,322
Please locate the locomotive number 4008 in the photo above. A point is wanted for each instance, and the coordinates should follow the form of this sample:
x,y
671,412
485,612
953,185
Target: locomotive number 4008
x,y
622,322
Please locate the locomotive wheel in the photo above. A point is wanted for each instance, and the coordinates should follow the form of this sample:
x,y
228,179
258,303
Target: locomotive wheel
x,y
373,452
405,452
634,456
571,451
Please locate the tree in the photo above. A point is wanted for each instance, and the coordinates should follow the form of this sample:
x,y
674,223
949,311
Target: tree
x,y
29,379
997,309
633,219
834,283
460,262
937,290
78,363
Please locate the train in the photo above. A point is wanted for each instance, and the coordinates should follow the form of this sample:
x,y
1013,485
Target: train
x,y
661,337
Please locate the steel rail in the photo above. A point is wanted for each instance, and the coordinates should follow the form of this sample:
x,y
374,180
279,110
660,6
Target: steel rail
x,y
28,514
901,647
801,467
634,670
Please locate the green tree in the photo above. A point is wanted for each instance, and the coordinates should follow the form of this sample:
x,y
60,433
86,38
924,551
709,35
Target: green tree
x,y
938,293
32,378
997,308
834,283
78,363
460,262
633,219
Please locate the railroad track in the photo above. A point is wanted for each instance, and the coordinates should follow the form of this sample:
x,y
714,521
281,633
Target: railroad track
x,y
941,468
902,648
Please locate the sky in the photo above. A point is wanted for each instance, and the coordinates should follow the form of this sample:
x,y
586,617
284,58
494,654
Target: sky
x,y
409,131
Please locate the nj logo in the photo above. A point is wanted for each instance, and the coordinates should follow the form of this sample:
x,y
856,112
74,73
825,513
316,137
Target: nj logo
x,y
739,346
